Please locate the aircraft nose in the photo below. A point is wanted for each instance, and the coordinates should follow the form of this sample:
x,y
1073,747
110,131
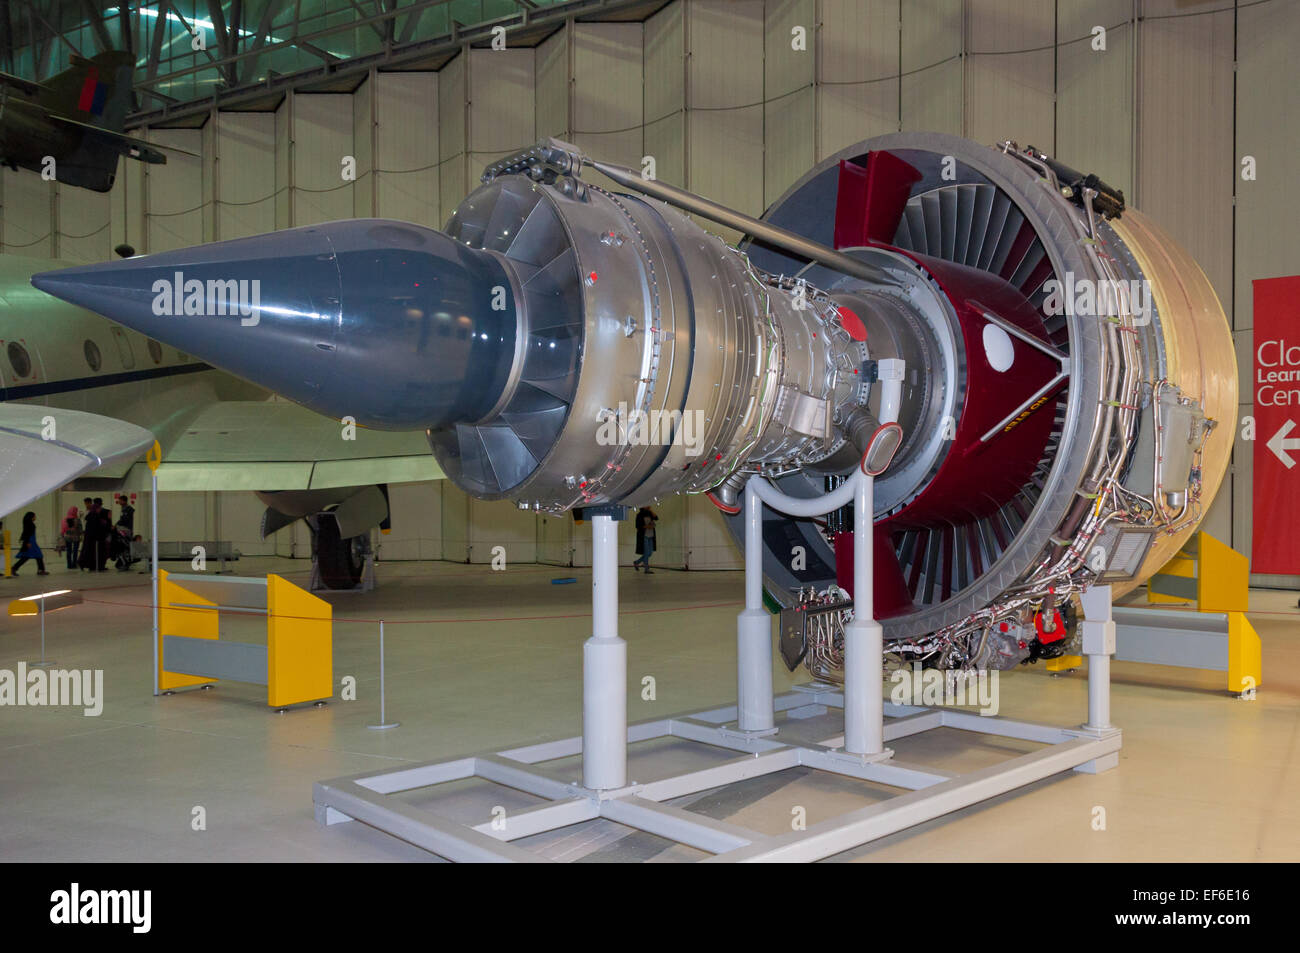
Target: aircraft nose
x,y
396,325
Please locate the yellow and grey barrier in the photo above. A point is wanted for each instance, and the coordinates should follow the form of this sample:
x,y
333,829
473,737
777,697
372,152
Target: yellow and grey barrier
x,y
1214,580
297,662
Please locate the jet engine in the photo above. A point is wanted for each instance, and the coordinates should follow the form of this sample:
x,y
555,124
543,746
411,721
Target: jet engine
x,y
1066,409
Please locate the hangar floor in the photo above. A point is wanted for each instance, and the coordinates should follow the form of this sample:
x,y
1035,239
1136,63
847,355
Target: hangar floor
x,y
481,660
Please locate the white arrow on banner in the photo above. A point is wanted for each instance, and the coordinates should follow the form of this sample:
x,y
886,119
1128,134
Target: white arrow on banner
x,y
1281,443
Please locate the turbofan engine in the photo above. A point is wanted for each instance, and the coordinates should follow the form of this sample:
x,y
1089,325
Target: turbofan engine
x,y
1065,414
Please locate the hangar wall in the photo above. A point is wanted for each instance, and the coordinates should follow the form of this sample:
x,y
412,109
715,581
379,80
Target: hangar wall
x,y
715,92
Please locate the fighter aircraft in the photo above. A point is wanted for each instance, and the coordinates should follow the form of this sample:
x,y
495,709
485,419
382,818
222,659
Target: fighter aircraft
x,y
70,125
82,399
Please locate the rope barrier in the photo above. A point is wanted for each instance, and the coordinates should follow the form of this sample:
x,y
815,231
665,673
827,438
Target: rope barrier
x,y
443,621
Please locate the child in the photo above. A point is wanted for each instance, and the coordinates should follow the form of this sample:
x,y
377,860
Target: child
x,y
27,548
71,536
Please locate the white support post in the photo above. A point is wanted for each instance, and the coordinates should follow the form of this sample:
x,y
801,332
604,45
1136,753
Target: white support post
x,y
1098,629
754,628
864,692
1099,645
604,669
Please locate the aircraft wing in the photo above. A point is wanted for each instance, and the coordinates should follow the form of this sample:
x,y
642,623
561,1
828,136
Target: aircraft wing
x,y
126,145
277,445
34,460
22,85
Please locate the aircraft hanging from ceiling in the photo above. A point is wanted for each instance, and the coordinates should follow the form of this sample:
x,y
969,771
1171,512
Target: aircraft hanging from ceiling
x,y
70,125
82,399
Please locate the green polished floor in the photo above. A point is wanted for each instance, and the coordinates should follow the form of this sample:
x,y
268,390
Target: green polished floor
x,y
480,660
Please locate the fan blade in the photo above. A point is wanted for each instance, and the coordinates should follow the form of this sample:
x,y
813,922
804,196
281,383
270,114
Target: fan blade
x,y
984,197
994,233
965,222
536,417
916,228
510,460
552,355
540,239
948,223
508,215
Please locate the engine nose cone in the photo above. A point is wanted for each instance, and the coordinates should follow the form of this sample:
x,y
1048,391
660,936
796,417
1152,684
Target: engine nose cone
x,y
396,325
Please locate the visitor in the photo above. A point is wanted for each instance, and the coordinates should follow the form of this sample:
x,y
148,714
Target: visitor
x,y
645,538
27,548
70,536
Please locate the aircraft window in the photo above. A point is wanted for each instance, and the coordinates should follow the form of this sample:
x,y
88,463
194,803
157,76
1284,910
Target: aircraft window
x,y
19,360
155,351
124,348
93,357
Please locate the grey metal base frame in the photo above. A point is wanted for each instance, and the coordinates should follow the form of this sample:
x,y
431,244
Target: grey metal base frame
x,y
932,792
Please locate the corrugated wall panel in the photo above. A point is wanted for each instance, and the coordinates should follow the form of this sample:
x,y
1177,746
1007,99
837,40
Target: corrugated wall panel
x,y
664,138
502,111
1010,76
1185,161
322,136
708,541
607,93
27,206
417,522
1094,110
1268,209
857,83
209,151
452,181
364,192
174,192
245,174
931,83
790,109
665,67
551,68
555,540
284,163
84,230
500,523
406,151
725,105
1185,96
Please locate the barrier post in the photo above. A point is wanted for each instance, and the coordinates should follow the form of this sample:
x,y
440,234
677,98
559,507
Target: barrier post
x,y
383,714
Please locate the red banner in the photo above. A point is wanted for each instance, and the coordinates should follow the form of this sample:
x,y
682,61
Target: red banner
x,y
1275,386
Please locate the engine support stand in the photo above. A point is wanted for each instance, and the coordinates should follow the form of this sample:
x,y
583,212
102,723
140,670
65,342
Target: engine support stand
x,y
765,734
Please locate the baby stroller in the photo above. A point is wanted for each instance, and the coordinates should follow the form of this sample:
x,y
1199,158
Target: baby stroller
x,y
119,549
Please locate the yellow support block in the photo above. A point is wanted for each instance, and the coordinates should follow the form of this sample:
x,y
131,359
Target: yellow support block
x,y
189,622
1223,578
1182,566
1064,663
299,644
1245,663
